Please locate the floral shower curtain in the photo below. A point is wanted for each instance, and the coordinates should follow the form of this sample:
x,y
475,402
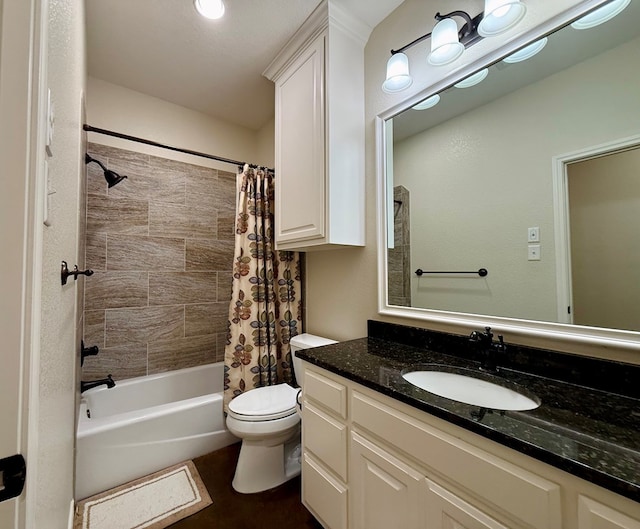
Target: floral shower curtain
x,y
265,309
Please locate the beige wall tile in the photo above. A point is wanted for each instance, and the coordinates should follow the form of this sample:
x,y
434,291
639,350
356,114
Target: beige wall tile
x,y
167,185
225,285
167,355
121,362
206,318
170,220
226,228
221,343
109,290
226,194
93,332
169,288
141,325
96,251
207,254
126,252
117,215
96,184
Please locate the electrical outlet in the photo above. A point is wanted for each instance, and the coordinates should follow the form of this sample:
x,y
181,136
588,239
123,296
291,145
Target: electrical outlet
x,y
533,234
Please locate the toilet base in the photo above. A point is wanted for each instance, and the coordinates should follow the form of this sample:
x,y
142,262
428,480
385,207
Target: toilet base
x,y
261,467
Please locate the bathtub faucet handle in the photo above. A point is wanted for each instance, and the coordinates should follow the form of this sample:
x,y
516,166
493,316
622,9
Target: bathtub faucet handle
x,y
87,351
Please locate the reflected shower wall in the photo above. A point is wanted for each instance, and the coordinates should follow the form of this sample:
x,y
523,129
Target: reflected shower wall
x,y
399,259
161,245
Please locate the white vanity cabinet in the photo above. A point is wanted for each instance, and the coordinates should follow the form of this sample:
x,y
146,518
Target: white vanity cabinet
x,y
319,133
371,462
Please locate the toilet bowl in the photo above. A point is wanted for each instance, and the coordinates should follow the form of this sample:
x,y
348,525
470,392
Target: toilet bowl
x,y
268,422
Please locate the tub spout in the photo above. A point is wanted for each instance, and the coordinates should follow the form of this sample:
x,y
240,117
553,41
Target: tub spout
x,y
84,386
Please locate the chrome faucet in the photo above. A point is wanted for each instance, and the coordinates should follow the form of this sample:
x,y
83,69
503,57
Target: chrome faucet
x,y
487,347
84,386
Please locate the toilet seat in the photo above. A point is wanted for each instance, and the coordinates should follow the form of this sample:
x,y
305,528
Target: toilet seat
x,y
264,404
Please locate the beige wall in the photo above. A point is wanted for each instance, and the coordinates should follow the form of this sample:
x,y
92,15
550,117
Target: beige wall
x,y
52,489
120,109
341,285
510,188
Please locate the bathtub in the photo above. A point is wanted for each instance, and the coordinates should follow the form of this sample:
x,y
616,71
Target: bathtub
x,y
145,424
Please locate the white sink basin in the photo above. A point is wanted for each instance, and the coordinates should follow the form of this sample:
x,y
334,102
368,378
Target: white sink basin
x,y
470,390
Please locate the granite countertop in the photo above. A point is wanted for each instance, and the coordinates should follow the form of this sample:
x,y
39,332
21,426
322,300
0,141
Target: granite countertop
x,y
586,430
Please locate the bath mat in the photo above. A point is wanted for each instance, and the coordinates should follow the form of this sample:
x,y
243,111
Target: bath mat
x,y
152,502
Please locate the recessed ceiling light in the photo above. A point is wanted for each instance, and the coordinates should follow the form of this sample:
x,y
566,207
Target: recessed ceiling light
x,y
212,9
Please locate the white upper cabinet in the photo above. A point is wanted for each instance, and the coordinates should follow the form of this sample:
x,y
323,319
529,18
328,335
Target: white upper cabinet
x,y
319,139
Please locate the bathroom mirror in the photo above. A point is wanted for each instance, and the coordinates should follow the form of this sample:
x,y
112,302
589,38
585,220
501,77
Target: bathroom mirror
x,y
492,178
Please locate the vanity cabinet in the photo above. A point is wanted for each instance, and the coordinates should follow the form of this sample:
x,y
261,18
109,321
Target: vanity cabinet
x,y
319,133
371,462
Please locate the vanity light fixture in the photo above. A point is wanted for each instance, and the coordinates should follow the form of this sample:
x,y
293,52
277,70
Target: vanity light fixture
x,y
427,103
448,43
474,79
527,52
601,15
212,9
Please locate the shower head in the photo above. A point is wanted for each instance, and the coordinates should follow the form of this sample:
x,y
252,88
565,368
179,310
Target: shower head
x,y
110,176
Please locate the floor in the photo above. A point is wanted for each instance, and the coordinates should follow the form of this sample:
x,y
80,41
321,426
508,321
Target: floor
x,y
277,508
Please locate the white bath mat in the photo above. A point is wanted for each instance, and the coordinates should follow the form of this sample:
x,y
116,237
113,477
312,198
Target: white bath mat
x,y
152,502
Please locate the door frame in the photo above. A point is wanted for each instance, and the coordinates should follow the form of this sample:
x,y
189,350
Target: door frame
x,y
562,236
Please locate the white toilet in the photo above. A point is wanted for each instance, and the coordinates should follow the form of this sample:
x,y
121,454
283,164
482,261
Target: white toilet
x,y
268,422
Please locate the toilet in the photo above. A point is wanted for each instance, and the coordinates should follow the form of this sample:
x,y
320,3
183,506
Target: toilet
x,y
267,420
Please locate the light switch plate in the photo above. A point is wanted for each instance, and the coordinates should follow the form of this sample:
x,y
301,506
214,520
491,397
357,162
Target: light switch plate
x,y
534,252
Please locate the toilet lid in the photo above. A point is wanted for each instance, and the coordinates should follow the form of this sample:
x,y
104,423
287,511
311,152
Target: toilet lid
x,y
265,404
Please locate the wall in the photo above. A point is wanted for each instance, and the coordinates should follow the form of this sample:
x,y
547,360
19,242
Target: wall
x,y
52,487
341,285
161,245
511,179
120,109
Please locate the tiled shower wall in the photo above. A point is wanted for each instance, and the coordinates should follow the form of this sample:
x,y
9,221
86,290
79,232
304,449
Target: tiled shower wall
x,y
399,264
160,244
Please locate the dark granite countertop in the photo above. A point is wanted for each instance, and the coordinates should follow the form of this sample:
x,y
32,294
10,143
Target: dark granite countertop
x,y
587,423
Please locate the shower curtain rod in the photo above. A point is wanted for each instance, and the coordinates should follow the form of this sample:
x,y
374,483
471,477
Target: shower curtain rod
x,y
97,130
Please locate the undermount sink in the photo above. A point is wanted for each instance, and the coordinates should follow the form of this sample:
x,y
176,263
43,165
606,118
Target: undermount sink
x,y
467,387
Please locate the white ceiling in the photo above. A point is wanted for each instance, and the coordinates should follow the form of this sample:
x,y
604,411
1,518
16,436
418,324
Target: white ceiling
x,y
165,49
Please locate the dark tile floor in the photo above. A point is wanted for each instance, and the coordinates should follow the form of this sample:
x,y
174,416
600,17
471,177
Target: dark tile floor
x,y
279,508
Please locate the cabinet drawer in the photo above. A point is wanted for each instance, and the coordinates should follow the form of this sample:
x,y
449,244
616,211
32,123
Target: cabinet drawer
x,y
595,515
323,495
326,438
517,492
326,392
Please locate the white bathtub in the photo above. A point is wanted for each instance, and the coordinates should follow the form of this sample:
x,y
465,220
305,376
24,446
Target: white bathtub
x,y
145,424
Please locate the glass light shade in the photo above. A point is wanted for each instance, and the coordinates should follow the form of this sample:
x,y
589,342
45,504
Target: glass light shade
x,y
445,46
212,9
473,80
499,16
398,77
601,15
427,103
527,52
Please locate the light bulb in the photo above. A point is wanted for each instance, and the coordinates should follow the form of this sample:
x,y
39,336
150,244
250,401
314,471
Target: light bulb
x,y
398,77
212,9
499,16
445,46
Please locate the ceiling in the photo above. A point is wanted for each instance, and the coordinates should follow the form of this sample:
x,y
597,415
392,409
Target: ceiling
x,y
165,49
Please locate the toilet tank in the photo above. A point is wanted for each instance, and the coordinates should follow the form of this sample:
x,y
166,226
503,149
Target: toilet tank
x,y
305,341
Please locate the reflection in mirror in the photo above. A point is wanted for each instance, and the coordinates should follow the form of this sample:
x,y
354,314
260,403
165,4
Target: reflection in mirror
x,y
492,177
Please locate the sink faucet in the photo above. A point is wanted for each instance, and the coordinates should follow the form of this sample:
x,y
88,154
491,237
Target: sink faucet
x,y
487,347
84,386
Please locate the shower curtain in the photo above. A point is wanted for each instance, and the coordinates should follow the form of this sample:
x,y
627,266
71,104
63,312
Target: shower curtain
x,y
265,309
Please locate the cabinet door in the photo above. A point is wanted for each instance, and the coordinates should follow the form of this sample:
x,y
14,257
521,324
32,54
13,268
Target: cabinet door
x,y
300,200
385,491
446,510
324,496
595,515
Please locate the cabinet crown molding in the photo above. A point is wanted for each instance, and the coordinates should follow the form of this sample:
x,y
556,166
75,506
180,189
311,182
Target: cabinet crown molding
x,y
327,14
